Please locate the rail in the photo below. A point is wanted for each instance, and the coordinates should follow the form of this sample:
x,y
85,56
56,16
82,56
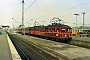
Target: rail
x,y
25,56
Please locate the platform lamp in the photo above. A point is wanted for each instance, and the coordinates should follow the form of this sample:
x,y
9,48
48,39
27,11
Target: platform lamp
x,y
83,19
76,22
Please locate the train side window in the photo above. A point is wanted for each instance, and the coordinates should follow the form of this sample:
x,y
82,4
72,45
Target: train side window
x,y
29,29
46,29
53,30
57,30
32,29
36,29
42,30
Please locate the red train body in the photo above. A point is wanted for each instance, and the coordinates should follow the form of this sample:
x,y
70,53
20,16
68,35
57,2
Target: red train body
x,y
54,32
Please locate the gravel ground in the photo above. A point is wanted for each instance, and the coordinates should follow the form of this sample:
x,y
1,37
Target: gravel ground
x,y
84,44
32,51
58,50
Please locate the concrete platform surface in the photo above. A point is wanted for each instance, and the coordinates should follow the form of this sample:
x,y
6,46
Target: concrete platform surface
x,y
7,50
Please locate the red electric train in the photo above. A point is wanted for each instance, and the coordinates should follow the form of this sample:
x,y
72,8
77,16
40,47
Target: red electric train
x,y
56,32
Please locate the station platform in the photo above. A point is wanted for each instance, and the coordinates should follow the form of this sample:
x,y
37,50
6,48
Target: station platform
x,y
7,50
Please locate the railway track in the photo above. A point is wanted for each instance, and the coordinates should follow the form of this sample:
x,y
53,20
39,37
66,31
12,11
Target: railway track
x,y
29,50
79,43
18,48
54,50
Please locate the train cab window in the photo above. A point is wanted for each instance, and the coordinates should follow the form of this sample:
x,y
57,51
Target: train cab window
x,y
63,30
67,30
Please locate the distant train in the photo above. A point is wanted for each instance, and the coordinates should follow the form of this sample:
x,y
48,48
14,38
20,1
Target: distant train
x,y
56,32
81,32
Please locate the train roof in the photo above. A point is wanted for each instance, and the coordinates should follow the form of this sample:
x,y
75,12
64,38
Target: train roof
x,y
53,26
63,26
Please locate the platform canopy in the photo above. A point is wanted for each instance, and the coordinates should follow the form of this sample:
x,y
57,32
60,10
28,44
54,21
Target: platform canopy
x,y
6,26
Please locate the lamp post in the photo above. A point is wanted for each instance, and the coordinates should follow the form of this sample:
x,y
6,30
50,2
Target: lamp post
x,y
76,19
76,23
14,25
83,19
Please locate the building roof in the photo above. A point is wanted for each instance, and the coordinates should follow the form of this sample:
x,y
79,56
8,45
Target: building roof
x,y
5,26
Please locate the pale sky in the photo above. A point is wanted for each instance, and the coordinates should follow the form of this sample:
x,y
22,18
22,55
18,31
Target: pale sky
x,y
44,10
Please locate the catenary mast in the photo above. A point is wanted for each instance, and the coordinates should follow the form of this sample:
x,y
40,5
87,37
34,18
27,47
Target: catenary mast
x,y
23,29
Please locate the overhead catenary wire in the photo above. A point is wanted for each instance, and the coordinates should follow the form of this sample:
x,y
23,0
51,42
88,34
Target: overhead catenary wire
x,y
19,9
85,11
72,14
62,10
76,6
57,11
28,8
30,5
17,12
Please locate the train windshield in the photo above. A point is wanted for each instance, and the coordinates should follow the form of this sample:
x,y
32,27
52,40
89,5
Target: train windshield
x,y
65,30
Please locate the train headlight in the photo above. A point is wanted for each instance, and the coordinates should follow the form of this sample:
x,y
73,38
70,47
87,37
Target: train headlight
x,y
65,35
56,34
